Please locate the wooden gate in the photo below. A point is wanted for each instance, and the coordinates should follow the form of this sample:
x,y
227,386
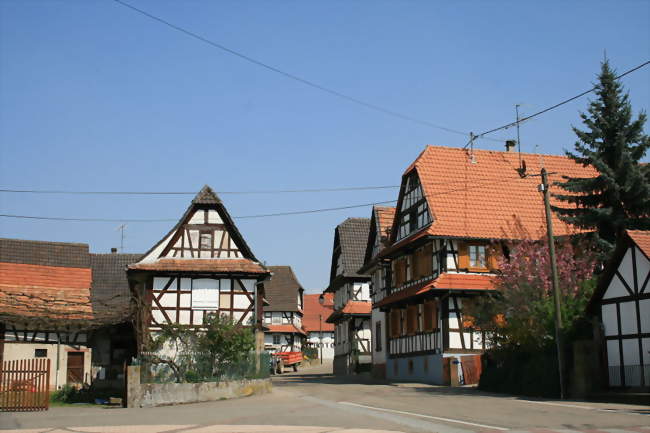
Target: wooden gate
x,y
471,366
25,385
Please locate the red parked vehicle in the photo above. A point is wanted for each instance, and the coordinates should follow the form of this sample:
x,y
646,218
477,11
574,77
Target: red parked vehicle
x,y
287,359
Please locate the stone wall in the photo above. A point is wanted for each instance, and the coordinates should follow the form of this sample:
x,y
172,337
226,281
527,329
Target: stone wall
x,y
165,394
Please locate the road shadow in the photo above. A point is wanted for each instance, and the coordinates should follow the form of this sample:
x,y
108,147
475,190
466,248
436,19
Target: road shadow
x,y
293,379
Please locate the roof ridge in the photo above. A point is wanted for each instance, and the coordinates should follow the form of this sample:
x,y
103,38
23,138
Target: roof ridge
x,y
434,146
206,196
46,242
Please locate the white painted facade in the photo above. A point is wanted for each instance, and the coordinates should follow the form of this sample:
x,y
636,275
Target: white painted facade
x,y
197,243
283,318
323,339
186,301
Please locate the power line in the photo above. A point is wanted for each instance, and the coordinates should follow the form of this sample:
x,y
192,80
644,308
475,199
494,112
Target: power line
x,y
552,107
277,191
300,212
293,76
129,220
162,193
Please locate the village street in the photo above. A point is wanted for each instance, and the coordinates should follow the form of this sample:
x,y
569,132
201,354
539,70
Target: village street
x,y
315,398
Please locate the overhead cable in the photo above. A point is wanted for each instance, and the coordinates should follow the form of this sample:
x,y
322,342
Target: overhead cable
x,y
293,76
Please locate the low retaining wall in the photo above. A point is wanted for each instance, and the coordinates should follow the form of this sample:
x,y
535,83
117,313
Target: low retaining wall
x,y
165,394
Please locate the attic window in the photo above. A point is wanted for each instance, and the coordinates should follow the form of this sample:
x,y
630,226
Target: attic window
x,y
206,241
414,211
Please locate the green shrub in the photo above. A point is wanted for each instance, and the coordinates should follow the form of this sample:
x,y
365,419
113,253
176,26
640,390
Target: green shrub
x,y
65,394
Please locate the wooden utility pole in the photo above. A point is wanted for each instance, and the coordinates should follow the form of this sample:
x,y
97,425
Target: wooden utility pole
x,y
554,280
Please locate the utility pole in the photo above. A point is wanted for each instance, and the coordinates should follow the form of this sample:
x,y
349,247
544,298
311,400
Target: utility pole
x,y
554,279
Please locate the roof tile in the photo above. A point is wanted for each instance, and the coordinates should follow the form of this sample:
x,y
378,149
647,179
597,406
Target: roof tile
x,y
484,196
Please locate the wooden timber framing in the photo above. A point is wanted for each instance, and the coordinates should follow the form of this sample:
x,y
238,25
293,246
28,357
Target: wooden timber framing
x,y
622,303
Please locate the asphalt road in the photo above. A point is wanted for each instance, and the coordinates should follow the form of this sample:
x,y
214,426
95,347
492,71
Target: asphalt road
x,y
313,397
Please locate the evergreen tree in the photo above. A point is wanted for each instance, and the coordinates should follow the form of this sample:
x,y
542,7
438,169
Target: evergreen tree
x,y
619,197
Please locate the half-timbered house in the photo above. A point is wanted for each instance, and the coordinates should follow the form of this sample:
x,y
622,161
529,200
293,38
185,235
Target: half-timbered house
x,y
283,315
457,210
202,266
62,303
381,223
351,289
622,301
320,333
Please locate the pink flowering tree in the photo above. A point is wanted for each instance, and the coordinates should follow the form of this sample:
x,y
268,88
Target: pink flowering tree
x,y
522,313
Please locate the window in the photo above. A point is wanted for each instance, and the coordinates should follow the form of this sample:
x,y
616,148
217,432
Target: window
x,y
267,317
414,212
276,338
277,319
477,256
205,294
40,353
206,241
377,337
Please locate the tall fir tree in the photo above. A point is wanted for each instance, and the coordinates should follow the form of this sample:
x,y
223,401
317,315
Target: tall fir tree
x,y
619,197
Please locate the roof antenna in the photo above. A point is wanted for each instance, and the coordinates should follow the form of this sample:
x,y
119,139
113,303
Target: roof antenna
x,y
472,158
121,228
518,139
522,164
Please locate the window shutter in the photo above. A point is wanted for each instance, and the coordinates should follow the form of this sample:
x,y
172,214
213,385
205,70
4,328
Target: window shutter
x,y
493,257
411,319
434,314
463,255
400,271
394,323
430,316
415,265
427,260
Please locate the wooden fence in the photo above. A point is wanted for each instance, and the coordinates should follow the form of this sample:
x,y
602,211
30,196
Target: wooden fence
x,y
25,385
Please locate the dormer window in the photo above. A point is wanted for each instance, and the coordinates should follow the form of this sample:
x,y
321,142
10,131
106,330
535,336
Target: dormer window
x,y
414,212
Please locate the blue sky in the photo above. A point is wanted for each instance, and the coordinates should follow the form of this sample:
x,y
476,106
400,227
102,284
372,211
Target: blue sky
x,y
96,97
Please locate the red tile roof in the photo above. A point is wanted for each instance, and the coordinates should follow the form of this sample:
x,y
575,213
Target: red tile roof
x,y
357,307
285,329
487,198
311,321
642,239
446,281
51,292
209,265
385,216
351,308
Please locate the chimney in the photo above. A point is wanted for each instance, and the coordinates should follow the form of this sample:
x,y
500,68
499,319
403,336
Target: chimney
x,y
510,144
113,250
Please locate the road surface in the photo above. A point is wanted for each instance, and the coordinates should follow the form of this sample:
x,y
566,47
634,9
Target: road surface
x,y
313,400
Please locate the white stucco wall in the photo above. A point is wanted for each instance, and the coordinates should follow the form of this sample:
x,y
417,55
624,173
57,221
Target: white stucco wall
x,y
327,343
58,364
378,357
